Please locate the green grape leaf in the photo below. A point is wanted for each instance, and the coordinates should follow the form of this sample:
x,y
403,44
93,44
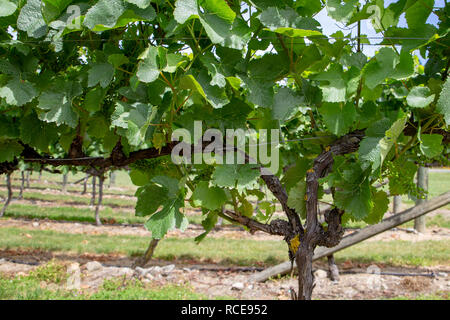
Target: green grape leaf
x,y
443,104
379,139
218,8
296,173
18,92
417,14
419,97
185,10
118,59
58,103
31,20
339,11
284,103
381,205
140,3
52,9
357,201
289,23
148,69
111,14
94,98
37,134
168,218
338,117
381,67
240,176
296,198
7,8
211,198
9,149
332,84
100,73
431,145
401,176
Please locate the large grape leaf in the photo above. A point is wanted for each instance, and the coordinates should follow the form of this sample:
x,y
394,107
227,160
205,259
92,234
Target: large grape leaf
x,y
161,199
356,200
296,198
284,103
185,10
57,102
379,139
338,117
443,104
431,145
100,73
51,9
111,14
381,205
289,23
31,20
134,120
7,8
240,176
37,133
333,84
417,14
18,92
380,67
419,97
211,198
401,176
168,218
9,149
341,12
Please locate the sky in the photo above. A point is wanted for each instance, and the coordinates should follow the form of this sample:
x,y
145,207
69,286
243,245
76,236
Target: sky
x,y
330,26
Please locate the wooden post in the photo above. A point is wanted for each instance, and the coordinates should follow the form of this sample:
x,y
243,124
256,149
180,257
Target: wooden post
x,y
28,179
422,182
112,179
22,184
397,204
93,191
333,268
9,197
101,179
64,183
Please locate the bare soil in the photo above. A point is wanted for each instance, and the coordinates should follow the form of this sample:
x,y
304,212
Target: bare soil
x,y
219,281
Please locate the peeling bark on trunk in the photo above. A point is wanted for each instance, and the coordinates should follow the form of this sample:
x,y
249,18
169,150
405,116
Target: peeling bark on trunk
x,y
142,261
9,197
101,179
305,274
